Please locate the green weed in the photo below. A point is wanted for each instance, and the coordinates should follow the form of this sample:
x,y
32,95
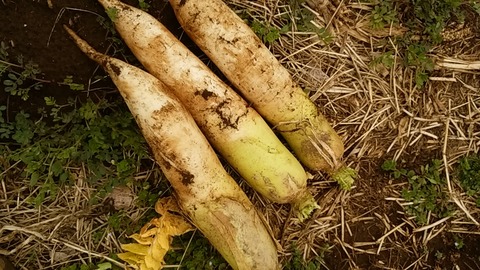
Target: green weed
x,y
416,57
143,5
433,15
426,190
383,14
102,135
303,18
298,263
439,255
200,253
112,13
476,6
267,33
424,18
386,59
91,266
73,86
145,196
300,18
108,24
469,176
18,78
458,242
117,220
6,129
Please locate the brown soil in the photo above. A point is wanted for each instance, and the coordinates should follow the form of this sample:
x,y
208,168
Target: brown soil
x,y
31,29
26,28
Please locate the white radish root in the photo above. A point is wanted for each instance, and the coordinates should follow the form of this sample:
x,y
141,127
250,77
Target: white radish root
x,y
208,196
258,75
234,128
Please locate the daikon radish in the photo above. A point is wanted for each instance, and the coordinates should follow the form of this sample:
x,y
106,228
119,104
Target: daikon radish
x,y
259,76
235,129
208,196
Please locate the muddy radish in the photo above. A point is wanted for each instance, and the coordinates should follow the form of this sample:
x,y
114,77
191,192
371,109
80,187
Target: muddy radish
x,y
254,70
206,193
235,129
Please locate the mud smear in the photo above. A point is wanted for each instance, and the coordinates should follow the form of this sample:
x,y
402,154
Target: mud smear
x,y
225,114
205,94
164,111
187,178
117,70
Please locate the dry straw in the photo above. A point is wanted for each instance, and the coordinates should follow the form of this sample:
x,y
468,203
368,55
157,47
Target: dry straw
x,y
381,114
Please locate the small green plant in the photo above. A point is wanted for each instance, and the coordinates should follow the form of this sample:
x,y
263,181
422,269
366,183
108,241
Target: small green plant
x,y
475,6
268,34
434,15
383,14
469,176
90,266
6,129
300,18
298,263
103,135
143,5
145,196
78,267
458,242
426,190
424,18
303,18
201,255
18,78
413,55
417,58
387,59
439,255
73,86
117,221
112,13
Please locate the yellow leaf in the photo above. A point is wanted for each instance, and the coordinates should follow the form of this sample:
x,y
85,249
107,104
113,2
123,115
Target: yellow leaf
x,y
147,232
161,241
142,240
143,266
131,258
155,237
155,223
153,263
176,225
135,248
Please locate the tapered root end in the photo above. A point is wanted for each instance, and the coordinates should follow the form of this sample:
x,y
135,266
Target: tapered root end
x,y
345,177
304,206
84,46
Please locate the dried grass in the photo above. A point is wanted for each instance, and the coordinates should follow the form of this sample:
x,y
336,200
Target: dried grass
x,y
60,231
381,114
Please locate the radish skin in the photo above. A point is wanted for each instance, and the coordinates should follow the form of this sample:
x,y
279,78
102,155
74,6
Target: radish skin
x,y
235,129
259,76
209,197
